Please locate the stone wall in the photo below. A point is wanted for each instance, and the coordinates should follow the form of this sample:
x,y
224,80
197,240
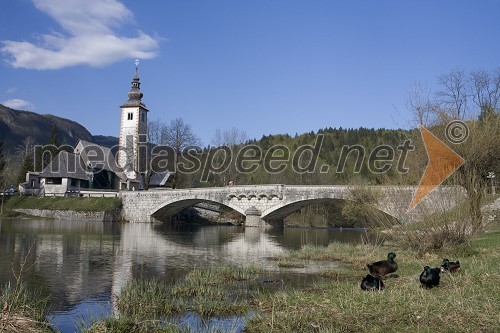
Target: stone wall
x,y
491,213
106,216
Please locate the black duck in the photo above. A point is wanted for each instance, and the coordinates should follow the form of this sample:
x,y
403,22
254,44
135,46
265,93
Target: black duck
x,y
429,277
450,266
383,267
371,282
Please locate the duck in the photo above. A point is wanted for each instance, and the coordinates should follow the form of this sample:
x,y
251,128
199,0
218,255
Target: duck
x,y
429,277
383,267
371,282
450,266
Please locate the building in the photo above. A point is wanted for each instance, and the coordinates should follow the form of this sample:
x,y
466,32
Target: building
x,y
161,179
88,167
94,167
32,184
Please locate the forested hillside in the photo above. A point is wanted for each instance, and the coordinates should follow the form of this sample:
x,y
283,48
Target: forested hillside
x,y
340,156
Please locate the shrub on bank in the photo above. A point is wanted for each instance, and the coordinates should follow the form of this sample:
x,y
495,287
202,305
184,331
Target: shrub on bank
x,y
435,231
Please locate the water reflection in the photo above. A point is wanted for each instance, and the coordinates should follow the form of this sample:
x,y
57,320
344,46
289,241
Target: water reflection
x,y
82,264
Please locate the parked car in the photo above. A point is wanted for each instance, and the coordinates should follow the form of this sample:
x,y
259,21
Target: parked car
x,y
10,191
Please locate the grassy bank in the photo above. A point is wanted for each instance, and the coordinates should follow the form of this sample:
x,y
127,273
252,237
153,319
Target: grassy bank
x,y
465,302
59,203
468,301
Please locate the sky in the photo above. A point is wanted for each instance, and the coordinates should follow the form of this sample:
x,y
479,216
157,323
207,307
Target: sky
x,y
261,66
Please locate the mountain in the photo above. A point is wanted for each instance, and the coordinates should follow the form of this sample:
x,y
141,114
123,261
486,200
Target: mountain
x,y
106,141
16,125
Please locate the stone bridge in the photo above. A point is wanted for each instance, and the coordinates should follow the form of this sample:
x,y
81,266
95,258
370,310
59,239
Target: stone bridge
x,y
267,205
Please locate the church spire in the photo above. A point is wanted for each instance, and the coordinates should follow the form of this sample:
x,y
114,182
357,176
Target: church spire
x,y
135,94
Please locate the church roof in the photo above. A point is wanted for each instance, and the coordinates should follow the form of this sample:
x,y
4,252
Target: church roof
x,y
95,156
66,165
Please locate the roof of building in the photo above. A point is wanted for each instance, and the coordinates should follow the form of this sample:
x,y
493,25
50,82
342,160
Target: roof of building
x,y
159,178
94,155
98,157
66,165
86,159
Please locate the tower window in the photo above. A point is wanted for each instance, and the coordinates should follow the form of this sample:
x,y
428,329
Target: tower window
x,y
143,116
130,116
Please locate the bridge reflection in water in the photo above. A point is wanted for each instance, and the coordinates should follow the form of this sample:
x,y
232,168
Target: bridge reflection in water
x,y
83,264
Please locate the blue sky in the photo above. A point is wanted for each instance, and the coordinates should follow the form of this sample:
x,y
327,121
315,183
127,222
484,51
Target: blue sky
x,y
262,66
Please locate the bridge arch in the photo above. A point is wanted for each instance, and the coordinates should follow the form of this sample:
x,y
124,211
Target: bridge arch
x,y
276,214
172,207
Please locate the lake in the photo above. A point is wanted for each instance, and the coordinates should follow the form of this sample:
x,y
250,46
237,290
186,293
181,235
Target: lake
x,y
82,264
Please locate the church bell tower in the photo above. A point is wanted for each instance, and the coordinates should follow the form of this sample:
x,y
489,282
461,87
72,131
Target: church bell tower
x,y
133,132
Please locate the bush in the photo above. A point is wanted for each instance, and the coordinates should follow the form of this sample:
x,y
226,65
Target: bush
x,y
435,231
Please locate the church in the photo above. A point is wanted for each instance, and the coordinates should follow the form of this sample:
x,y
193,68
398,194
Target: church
x,y
91,167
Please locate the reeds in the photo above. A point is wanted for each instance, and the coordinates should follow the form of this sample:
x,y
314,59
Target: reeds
x,y
22,309
207,291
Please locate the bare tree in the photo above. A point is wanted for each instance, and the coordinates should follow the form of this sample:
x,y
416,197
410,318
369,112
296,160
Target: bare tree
x,y
26,148
480,151
481,148
230,138
419,104
485,91
179,136
155,130
454,95
26,157
474,99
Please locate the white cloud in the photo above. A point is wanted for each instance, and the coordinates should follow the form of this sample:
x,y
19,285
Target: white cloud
x,y
88,37
19,104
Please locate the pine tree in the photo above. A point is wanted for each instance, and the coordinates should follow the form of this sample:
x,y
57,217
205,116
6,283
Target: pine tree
x,y
2,164
51,149
25,168
54,137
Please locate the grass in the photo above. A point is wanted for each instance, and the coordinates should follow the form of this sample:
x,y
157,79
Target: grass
x,y
114,325
60,203
465,302
283,263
